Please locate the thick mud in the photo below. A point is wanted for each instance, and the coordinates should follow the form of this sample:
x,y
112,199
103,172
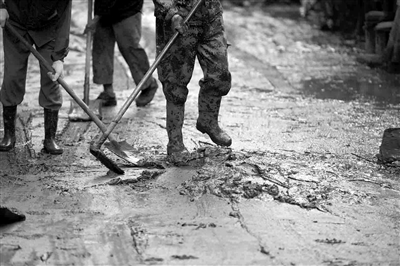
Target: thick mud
x,y
301,183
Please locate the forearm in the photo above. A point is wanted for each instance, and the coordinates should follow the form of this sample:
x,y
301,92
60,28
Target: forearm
x,y
165,9
62,39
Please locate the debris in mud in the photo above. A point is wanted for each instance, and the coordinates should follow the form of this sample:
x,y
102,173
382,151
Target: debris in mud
x,y
10,215
184,257
144,176
332,241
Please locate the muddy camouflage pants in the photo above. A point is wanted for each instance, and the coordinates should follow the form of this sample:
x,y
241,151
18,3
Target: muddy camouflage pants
x,y
15,70
204,40
127,34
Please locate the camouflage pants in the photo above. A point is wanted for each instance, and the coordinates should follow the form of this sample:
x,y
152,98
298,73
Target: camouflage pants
x,y
204,40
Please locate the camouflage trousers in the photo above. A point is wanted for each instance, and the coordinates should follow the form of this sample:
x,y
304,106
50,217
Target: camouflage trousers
x,y
205,40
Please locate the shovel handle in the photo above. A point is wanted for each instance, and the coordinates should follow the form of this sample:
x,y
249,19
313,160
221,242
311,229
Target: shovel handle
x,y
61,81
148,74
89,36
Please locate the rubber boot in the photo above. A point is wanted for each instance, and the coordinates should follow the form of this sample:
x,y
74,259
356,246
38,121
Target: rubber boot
x,y
50,129
208,120
176,150
9,114
147,95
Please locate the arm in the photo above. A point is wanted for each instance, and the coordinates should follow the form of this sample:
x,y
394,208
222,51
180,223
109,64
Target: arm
x,y
3,14
166,9
62,37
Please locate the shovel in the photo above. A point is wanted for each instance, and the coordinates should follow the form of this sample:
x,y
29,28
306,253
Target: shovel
x,y
117,148
95,147
76,113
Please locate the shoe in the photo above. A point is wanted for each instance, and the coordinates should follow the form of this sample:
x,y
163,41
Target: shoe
x,y
207,121
107,99
147,95
9,114
50,128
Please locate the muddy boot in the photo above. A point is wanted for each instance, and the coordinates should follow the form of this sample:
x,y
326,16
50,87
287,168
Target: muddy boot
x,y
176,150
50,129
147,95
9,114
208,120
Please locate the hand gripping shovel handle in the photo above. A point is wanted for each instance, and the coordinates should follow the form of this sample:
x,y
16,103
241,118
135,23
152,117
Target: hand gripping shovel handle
x,y
44,62
148,74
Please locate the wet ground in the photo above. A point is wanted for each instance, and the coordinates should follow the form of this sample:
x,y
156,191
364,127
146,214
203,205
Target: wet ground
x,y
300,184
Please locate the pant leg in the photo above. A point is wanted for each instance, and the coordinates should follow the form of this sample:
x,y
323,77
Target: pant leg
x,y
15,68
103,54
176,68
213,59
128,33
50,95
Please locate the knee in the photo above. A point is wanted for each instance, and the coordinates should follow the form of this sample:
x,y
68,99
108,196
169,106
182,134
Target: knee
x,y
175,94
219,84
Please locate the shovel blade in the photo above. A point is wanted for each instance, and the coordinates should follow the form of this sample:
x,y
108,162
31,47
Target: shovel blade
x,y
123,150
76,113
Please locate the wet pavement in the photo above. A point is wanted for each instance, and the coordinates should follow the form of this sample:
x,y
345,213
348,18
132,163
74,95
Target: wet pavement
x,y
300,184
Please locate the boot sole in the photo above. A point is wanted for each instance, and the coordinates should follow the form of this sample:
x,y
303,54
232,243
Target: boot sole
x,y
44,150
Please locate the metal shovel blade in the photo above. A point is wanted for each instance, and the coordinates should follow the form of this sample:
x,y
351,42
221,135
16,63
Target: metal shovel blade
x,y
76,113
123,150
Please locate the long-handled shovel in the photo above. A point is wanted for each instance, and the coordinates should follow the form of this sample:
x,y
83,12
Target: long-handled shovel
x,y
95,147
108,163
76,113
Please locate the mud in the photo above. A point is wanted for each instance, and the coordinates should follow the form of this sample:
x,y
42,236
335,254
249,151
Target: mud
x,y
301,183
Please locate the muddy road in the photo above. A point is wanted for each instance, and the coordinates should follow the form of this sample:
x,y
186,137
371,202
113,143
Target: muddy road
x,y
299,186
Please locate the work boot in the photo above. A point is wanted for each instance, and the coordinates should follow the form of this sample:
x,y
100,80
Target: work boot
x,y
147,95
176,150
50,129
108,98
208,120
9,114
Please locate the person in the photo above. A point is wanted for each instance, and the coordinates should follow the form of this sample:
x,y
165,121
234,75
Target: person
x,y
202,37
119,21
46,25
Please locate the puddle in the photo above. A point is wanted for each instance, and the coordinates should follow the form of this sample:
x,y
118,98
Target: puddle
x,y
385,90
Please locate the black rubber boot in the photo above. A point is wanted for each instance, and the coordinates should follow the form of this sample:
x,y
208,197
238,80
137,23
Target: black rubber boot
x,y
147,95
176,150
208,120
50,129
9,114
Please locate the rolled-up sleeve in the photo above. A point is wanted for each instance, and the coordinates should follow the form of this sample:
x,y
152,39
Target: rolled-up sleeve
x,y
165,9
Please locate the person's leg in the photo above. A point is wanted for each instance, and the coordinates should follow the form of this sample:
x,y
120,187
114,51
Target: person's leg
x,y
175,72
128,34
213,59
50,98
13,87
103,62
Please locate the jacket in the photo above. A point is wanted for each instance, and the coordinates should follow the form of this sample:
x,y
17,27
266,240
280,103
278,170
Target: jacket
x,y
113,11
44,21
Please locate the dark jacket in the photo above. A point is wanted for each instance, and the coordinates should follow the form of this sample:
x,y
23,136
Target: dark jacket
x,y
113,11
44,21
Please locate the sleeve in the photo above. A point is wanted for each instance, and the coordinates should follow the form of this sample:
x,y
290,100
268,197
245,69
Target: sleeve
x,y
166,9
62,38
103,7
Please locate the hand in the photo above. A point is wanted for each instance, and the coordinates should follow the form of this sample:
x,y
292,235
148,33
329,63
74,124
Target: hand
x,y
3,17
58,67
91,26
178,25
